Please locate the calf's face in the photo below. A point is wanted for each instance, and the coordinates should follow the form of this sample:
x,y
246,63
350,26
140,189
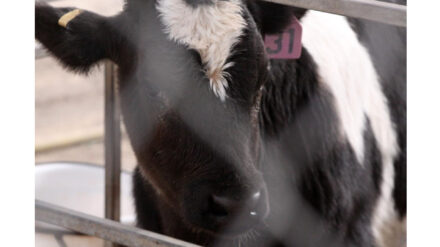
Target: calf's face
x,y
203,153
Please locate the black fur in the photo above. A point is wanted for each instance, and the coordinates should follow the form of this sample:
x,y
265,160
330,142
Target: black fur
x,y
87,40
271,17
277,132
385,44
147,217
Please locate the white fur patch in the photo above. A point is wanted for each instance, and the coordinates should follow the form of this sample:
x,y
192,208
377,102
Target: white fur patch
x,y
212,30
345,68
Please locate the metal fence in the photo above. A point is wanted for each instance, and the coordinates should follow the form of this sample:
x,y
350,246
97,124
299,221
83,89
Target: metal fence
x,y
110,229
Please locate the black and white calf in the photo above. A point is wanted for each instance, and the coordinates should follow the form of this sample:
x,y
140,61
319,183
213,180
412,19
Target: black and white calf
x,y
234,148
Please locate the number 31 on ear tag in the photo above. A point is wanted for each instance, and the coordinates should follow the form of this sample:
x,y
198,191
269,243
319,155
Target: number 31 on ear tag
x,y
286,45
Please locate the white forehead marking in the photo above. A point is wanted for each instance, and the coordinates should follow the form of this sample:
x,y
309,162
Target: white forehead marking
x,y
212,30
345,68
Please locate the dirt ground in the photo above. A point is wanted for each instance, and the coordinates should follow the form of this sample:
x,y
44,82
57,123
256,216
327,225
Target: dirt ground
x,y
69,116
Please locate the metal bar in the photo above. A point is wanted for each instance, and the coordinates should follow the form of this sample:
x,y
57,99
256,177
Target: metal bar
x,y
389,13
112,144
102,228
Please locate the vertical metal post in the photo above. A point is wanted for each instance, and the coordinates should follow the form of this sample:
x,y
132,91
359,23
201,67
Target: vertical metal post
x,y
112,146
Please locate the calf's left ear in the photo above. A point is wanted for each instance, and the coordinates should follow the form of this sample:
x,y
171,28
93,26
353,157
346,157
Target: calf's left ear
x,y
78,41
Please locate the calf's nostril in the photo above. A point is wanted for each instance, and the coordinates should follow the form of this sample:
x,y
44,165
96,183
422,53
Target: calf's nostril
x,y
236,214
222,205
225,205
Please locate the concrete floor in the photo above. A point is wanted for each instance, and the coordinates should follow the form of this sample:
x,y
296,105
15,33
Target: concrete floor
x,y
69,116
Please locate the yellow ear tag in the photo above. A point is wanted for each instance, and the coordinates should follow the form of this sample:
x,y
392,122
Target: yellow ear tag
x,y
67,17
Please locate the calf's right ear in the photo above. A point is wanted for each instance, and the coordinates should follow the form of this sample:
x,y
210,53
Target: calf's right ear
x,y
80,43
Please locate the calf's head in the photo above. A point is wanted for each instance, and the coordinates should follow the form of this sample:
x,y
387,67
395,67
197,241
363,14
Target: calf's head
x,y
207,63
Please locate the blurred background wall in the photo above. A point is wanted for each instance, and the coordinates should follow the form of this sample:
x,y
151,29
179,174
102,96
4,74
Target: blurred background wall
x,y
69,108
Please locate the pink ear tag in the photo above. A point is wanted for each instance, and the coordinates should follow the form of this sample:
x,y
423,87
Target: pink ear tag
x,y
286,45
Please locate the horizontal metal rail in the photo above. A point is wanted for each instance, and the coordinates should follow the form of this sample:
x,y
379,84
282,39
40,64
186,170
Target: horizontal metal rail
x,y
388,13
102,228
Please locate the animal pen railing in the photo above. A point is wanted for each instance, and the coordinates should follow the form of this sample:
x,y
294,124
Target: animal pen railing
x,y
110,229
